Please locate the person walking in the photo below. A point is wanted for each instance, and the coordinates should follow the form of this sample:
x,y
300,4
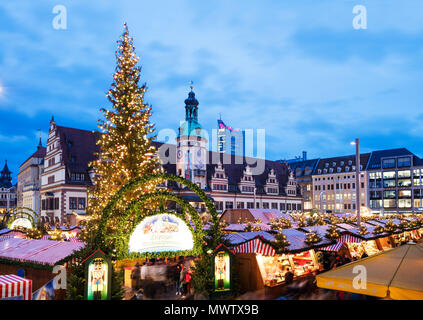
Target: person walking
x,y
136,277
177,278
289,277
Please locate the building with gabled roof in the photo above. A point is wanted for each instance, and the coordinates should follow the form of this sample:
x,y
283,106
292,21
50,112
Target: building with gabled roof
x,y
7,190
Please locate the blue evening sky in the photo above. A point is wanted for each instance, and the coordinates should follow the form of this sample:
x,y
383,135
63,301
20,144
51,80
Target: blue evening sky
x,y
298,69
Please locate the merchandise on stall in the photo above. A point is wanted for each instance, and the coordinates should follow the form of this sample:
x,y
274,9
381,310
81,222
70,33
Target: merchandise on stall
x,y
370,247
273,269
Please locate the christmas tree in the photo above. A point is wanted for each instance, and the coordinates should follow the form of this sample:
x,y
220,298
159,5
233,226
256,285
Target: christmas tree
x,y
126,149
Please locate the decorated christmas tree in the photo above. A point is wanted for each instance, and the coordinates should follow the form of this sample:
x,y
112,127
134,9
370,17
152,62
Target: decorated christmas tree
x,y
126,149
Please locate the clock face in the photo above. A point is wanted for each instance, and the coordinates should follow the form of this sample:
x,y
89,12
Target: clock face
x,y
179,154
199,153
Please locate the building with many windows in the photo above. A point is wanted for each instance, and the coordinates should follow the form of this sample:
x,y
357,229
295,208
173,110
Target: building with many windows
x,y
66,174
230,140
334,184
29,180
395,181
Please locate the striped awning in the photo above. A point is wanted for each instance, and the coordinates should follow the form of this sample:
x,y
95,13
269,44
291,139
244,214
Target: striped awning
x,y
255,246
345,238
15,286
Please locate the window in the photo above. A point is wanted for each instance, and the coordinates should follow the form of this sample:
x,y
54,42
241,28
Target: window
x,y
404,174
389,183
282,206
50,179
404,203
250,205
265,205
229,205
240,205
404,194
72,203
391,194
43,204
375,204
404,162
388,163
389,175
56,203
81,203
389,203
274,206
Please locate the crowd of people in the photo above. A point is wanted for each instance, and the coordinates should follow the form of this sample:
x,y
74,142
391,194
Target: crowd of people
x,y
155,279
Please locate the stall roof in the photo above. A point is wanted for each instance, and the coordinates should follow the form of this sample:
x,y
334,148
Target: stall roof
x,y
45,252
320,230
237,238
354,230
241,226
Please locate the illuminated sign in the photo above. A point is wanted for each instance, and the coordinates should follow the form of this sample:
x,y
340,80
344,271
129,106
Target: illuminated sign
x,y
222,271
98,277
161,233
22,223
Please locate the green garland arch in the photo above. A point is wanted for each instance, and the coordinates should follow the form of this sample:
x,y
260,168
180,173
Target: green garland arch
x,y
122,236
100,239
20,212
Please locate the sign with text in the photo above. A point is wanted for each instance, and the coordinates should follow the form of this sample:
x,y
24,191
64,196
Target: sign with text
x,y
161,233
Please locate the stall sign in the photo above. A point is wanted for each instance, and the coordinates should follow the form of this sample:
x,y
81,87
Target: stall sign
x,y
22,223
98,271
161,233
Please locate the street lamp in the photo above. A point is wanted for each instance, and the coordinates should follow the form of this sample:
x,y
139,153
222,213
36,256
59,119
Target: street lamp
x,y
357,178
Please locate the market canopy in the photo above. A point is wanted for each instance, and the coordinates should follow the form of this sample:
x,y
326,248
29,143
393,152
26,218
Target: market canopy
x,y
14,286
394,273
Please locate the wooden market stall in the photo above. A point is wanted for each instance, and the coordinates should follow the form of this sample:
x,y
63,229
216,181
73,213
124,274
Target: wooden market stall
x,y
261,267
34,258
14,287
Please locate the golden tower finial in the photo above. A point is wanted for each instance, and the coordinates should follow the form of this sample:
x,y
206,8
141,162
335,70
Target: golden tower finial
x,y
191,84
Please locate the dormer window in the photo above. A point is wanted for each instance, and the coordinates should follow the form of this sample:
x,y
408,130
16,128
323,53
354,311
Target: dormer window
x,y
347,169
331,170
333,164
326,165
342,163
349,162
339,169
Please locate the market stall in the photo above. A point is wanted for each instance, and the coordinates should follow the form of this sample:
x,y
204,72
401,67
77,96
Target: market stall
x,y
394,274
36,258
262,267
15,287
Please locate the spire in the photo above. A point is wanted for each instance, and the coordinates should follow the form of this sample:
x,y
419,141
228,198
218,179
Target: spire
x,y
40,144
6,173
191,105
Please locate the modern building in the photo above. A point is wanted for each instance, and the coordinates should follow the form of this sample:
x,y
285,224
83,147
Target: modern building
x,y
7,190
395,181
230,140
334,184
66,174
29,180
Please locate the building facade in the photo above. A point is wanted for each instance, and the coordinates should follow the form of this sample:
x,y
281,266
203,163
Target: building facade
x,y
231,181
395,182
229,140
334,184
7,190
66,174
29,180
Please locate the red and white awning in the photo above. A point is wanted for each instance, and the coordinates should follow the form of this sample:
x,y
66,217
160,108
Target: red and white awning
x,y
15,286
255,246
345,238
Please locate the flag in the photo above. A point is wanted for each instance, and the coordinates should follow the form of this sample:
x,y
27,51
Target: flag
x,y
222,125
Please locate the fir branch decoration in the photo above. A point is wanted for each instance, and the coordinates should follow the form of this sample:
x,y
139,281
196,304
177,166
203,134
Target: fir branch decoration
x,y
332,233
281,242
378,229
312,238
363,231
390,226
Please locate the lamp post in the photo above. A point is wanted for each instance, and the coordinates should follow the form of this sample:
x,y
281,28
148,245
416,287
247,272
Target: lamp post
x,y
357,179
